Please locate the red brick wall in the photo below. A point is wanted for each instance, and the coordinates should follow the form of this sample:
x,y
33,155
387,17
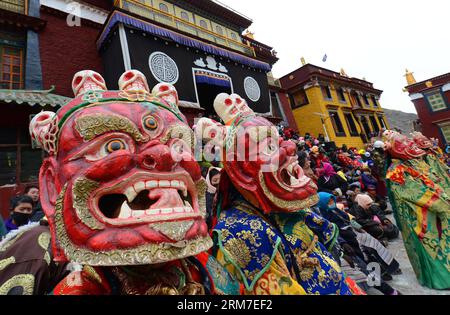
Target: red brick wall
x,y
66,50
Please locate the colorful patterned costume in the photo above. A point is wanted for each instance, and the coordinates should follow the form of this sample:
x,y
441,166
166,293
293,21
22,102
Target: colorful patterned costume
x,y
123,193
420,195
262,236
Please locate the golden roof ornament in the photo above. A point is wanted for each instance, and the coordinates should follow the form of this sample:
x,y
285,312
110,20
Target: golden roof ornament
x,y
249,34
410,77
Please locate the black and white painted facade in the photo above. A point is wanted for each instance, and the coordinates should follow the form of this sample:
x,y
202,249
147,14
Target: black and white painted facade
x,y
164,60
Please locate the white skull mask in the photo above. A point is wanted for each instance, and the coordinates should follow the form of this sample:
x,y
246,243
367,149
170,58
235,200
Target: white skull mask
x,y
87,80
133,80
228,107
167,92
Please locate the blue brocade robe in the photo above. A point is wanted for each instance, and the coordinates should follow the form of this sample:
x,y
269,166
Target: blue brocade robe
x,y
251,243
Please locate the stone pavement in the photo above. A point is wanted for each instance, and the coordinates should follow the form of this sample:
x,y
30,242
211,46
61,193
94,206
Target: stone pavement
x,y
407,282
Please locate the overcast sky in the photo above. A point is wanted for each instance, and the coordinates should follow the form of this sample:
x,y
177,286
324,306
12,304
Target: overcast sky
x,y
375,39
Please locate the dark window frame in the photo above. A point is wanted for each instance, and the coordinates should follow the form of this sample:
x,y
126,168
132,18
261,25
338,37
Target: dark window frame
x,y
275,102
442,133
357,99
328,96
8,60
341,95
294,104
374,123
351,123
367,120
366,99
374,101
19,147
430,107
382,122
337,122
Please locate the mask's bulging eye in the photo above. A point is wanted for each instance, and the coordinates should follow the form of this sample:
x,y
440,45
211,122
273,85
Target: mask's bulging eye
x,y
150,123
115,145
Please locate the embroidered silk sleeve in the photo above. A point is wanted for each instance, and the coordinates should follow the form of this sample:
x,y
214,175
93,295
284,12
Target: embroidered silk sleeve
x,y
276,280
327,231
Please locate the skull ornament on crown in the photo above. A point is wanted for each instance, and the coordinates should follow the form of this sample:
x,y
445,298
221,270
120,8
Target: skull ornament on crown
x,y
400,146
121,186
87,80
261,165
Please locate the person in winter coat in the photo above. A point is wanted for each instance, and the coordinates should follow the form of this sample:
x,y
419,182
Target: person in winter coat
x,y
373,220
331,182
305,164
353,260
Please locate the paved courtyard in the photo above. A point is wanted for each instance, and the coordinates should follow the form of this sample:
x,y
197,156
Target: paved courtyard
x,y
407,283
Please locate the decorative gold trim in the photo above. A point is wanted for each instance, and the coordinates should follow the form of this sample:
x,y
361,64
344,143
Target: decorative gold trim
x,y
202,186
176,231
6,262
297,204
82,189
44,241
11,242
137,96
151,253
47,258
26,281
91,126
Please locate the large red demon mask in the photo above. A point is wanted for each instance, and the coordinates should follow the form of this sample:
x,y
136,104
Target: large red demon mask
x,y
121,185
421,141
400,146
261,165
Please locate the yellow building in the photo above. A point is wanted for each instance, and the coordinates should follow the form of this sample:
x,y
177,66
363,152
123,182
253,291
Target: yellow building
x,y
344,110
